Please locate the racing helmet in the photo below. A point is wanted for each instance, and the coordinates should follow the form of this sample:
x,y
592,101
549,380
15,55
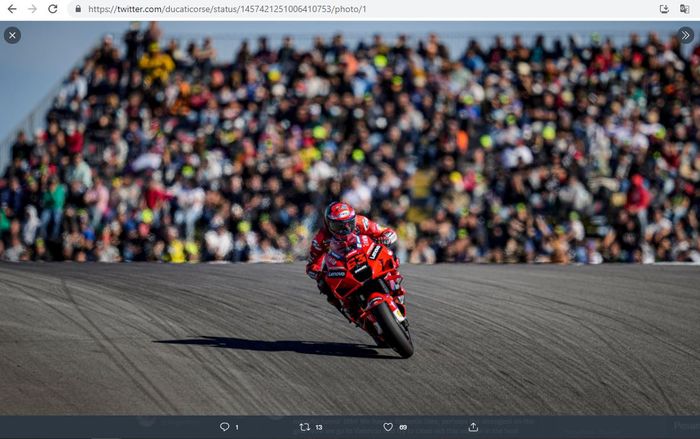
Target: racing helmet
x,y
340,219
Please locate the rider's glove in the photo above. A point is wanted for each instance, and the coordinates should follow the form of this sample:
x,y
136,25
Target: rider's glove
x,y
313,274
388,238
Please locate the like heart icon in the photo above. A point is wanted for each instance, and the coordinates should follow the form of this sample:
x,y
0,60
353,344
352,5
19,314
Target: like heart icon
x,y
388,426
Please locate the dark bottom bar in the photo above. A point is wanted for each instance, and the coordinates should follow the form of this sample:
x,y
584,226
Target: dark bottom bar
x,y
389,427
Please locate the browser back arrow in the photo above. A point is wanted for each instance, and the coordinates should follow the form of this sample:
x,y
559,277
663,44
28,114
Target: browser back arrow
x,y
12,9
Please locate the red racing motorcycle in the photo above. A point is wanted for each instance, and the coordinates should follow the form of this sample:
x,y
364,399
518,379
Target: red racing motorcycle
x,y
364,277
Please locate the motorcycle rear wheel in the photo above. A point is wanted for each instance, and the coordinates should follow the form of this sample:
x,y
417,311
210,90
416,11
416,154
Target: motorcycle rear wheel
x,y
394,333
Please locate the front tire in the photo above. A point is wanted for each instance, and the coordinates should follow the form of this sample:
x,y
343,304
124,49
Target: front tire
x,y
394,333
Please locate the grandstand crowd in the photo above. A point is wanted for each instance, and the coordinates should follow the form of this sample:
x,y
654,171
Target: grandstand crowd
x,y
551,151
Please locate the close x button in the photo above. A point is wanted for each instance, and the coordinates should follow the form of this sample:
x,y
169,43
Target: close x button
x,y
12,35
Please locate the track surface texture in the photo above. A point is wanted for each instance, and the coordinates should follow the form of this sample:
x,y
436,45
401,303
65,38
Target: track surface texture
x,y
258,340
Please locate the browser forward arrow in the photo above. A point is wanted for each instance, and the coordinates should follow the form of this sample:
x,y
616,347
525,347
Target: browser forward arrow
x,y
33,9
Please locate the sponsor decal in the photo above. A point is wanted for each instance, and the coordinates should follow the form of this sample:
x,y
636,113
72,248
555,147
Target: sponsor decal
x,y
375,252
315,245
336,255
365,223
362,273
336,273
399,316
362,267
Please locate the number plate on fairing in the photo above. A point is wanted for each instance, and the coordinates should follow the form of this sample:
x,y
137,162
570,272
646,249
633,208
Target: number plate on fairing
x,y
362,272
358,266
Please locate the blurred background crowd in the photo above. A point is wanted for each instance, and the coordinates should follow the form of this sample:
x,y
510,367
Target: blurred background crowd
x,y
551,151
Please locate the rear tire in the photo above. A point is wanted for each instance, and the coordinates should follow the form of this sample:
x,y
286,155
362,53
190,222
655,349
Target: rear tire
x,y
394,333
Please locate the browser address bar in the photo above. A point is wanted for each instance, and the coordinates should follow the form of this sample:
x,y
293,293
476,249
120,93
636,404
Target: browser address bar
x,y
344,10
220,10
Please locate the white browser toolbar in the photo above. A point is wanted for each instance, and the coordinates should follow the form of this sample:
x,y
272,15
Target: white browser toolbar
x,y
349,10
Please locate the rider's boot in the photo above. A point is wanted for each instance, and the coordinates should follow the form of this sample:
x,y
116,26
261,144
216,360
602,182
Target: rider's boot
x,y
323,289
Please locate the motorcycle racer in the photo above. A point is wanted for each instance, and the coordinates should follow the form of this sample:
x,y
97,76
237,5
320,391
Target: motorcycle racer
x,y
343,232
340,222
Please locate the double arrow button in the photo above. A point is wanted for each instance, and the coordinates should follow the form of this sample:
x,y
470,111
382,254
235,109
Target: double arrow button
x,y
686,35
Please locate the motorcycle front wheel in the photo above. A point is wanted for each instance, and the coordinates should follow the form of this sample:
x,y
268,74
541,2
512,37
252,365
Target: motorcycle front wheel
x,y
394,333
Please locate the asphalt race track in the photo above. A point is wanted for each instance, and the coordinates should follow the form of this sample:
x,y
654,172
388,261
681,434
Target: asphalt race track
x,y
258,340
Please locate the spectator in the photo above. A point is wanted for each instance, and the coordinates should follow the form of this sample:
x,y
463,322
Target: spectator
x,y
22,148
74,89
79,172
219,243
190,200
156,65
638,199
52,209
422,253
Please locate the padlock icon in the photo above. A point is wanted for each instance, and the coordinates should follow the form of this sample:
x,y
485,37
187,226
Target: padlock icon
x,y
78,9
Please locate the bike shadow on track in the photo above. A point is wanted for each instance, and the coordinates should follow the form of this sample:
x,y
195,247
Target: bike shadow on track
x,y
302,347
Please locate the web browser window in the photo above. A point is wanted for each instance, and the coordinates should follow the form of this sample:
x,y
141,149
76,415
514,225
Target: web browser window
x,y
349,219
